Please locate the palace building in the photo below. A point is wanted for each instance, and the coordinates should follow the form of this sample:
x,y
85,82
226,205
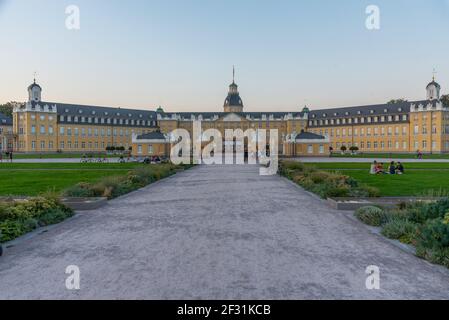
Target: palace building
x,y
404,127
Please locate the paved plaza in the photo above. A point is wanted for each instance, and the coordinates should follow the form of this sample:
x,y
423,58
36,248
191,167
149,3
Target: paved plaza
x,y
216,232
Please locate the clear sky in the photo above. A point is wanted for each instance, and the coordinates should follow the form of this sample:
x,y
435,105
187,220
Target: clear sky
x,y
179,53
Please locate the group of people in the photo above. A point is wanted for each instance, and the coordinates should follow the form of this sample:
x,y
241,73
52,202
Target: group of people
x,y
393,168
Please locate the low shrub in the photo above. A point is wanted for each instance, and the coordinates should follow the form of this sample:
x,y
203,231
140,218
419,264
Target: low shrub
x,y
433,242
324,183
400,229
433,234
115,186
80,190
18,218
371,215
54,216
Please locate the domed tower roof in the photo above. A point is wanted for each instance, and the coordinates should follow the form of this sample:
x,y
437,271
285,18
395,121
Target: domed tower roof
x,y
434,83
233,99
34,85
233,102
306,109
160,110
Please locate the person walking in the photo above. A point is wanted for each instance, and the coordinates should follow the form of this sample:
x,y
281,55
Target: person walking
x,y
10,156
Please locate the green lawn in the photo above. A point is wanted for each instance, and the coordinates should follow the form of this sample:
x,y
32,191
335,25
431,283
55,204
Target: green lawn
x,y
420,178
36,178
390,155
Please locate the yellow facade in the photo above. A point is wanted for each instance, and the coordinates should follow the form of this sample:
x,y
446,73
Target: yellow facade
x,y
404,127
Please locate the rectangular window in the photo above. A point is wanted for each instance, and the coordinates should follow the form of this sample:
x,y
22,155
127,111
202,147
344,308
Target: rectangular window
x,y
61,131
139,149
310,149
42,131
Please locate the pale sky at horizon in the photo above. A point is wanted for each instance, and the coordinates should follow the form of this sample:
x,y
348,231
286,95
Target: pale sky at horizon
x,y
179,53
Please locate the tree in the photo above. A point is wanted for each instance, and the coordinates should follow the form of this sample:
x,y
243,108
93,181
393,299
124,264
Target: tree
x,y
445,100
7,108
354,149
343,149
395,101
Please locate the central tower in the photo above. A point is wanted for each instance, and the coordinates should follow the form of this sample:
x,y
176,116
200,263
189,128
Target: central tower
x,y
233,102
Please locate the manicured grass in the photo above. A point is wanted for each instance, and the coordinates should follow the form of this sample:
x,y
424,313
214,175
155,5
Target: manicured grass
x,y
34,182
68,166
420,178
390,155
367,166
31,179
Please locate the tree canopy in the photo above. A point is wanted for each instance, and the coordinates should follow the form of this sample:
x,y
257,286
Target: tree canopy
x,y
445,100
394,101
7,108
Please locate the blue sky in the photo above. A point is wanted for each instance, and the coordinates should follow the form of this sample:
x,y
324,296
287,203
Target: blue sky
x,y
179,53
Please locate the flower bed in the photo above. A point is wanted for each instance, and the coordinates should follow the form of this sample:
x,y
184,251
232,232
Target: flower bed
x,y
424,225
20,217
115,186
325,184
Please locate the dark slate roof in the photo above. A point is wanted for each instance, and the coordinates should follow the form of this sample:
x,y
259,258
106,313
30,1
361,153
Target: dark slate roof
x,y
309,136
4,120
233,100
378,109
31,86
101,112
436,84
209,115
156,135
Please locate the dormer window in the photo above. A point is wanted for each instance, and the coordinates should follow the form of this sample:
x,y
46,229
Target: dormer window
x,y
66,110
80,111
347,113
359,112
371,111
400,109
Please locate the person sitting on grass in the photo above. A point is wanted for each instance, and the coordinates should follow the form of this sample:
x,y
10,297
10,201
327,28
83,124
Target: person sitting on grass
x,y
373,168
392,169
400,168
380,168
